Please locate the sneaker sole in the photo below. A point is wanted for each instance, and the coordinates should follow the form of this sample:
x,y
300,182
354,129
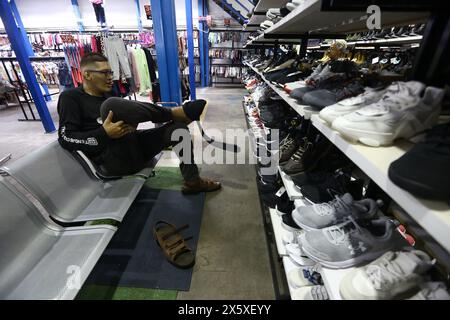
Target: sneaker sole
x,y
346,263
377,139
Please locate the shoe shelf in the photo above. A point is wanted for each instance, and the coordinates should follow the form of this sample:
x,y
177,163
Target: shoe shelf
x,y
292,190
278,231
288,267
308,18
303,110
400,40
332,280
433,216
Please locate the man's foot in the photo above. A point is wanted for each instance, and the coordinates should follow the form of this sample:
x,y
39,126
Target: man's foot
x,y
200,185
194,109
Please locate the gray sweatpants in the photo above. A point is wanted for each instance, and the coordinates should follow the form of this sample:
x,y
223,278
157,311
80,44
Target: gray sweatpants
x,y
118,57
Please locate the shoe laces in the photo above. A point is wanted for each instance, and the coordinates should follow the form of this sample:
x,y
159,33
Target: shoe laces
x,y
298,155
328,208
384,271
392,98
340,233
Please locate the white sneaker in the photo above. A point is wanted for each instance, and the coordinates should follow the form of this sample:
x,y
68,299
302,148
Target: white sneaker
x,y
291,6
391,276
310,293
297,256
304,277
432,291
404,110
349,105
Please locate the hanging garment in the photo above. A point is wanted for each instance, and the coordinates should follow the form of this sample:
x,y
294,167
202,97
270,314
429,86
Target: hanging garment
x,y
142,66
118,58
134,70
99,12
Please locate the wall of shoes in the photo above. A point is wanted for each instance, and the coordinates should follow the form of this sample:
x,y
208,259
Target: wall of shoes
x,y
359,207
225,54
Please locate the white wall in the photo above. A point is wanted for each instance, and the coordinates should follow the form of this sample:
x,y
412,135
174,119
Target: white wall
x,y
58,14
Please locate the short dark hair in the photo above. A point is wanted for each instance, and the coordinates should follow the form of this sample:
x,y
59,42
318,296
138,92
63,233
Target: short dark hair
x,y
91,58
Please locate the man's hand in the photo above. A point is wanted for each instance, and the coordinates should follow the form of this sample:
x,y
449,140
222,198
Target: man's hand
x,y
116,130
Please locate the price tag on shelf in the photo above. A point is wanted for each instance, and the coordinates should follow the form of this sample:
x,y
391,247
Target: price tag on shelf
x,y
280,192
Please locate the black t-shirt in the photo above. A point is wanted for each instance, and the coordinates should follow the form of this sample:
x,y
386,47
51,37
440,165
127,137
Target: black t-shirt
x,y
80,128
80,124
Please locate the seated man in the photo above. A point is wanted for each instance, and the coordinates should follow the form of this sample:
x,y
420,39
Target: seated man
x,y
105,128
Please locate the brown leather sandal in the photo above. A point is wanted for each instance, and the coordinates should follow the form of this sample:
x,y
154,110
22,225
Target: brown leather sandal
x,y
173,244
202,185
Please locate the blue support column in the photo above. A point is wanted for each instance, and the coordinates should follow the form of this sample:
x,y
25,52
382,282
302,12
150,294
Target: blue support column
x,y
166,43
138,15
47,96
22,30
190,44
203,43
17,44
76,11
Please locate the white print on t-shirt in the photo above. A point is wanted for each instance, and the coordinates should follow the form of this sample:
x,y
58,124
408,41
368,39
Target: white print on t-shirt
x,y
90,141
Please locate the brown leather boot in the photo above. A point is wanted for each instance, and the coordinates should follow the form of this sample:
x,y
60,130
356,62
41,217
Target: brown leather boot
x,y
200,185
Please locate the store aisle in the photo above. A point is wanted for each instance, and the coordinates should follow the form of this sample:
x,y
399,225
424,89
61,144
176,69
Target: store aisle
x,y
232,255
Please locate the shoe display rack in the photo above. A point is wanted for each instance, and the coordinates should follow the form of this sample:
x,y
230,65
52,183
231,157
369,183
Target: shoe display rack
x,y
303,110
433,216
281,235
307,20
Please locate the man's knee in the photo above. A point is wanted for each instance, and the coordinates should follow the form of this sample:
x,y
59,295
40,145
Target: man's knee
x,y
113,104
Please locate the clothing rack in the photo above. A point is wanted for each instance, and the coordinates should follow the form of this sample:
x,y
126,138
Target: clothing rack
x,y
23,89
226,64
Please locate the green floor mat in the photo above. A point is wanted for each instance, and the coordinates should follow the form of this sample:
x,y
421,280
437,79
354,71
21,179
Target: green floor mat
x,y
166,178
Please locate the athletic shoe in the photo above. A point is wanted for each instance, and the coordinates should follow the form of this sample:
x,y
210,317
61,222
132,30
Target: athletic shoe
x,y
297,255
288,222
284,207
307,155
394,275
304,277
402,112
432,291
337,184
350,105
349,244
310,293
319,216
424,170
288,148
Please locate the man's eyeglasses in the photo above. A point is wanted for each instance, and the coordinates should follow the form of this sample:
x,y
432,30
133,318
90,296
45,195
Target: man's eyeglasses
x,y
104,72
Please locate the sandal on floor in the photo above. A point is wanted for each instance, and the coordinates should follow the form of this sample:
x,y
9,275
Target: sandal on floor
x,y
173,244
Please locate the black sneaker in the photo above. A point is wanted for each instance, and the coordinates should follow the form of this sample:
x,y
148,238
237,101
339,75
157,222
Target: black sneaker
x,y
288,222
307,155
271,199
336,184
288,148
284,206
424,170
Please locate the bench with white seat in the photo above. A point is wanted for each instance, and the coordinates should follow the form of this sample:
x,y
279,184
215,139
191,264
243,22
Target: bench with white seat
x,y
40,259
67,191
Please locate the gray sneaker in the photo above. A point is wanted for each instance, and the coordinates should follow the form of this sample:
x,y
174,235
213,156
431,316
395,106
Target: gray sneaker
x,y
392,276
310,293
319,216
349,244
432,291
